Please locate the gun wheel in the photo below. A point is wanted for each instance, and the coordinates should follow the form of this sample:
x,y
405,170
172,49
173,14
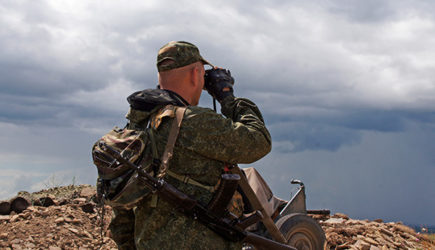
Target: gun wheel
x,y
302,232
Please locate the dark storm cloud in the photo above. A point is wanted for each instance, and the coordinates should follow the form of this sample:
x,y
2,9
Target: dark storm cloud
x,y
338,82
300,132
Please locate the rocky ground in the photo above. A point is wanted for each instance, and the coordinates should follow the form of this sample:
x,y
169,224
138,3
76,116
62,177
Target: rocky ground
x,y
72,222
68,218
343,232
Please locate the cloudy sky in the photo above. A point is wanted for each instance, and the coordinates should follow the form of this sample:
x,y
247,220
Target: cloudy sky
x,y
347,89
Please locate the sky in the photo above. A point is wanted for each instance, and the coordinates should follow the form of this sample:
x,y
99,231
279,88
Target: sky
x,y
346,88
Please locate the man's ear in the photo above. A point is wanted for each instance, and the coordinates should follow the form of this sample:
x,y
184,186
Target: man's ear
x,y
194,76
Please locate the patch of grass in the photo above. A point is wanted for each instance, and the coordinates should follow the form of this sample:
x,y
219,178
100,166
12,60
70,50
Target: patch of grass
x,y
52,182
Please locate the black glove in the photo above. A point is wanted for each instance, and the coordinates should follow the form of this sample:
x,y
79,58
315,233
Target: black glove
x,y
219,83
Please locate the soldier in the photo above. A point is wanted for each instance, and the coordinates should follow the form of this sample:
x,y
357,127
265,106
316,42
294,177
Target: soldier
x,y
207,141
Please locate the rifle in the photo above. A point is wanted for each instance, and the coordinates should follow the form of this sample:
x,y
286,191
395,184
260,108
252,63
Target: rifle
x,y
225,227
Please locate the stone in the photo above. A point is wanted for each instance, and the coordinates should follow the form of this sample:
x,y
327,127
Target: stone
x,y
16,247
385,231
73,230
16,241
87,192
400,227
54,248
59,220
14,218
30,245
360,244
5,218
79,200
87,234
374,248
77,221
352,222
341,215
335,221
31,209
25,215
371,241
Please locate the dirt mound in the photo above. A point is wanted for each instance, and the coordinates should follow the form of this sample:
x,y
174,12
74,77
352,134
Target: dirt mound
x,y
343,232
58,218
68,218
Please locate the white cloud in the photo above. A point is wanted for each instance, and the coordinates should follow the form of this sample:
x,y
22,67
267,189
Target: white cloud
x,y
111,97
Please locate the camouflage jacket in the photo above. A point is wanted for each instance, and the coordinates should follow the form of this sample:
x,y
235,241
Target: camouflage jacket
x,y
206,142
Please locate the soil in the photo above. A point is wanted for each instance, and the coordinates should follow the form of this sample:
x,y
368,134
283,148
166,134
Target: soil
x,y
72,222
69,218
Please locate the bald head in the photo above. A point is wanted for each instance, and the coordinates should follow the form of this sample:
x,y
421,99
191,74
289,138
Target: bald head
x,y
186,81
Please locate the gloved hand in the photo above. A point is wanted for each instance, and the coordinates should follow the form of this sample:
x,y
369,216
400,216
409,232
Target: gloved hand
x,y
219,83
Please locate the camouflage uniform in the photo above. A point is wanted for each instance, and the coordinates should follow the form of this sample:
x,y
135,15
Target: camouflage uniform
x,y
206,142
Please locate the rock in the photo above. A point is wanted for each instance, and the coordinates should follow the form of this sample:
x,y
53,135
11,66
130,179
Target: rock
x,y
16,241
30,245
5,218
360,244
16,247
370,241
403,228
334,221
87,192
63,202
79,200
54,248
340,215
374,248
378,220
59,220
31,209
77,221
26,214
351,222
87,234
385,231
14,218
73,230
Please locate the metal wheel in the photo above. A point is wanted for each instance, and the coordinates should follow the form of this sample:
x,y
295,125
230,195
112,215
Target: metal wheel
x,y
302,232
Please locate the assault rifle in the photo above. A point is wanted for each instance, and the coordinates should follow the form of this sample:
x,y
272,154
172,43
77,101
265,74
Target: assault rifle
x,y
230,229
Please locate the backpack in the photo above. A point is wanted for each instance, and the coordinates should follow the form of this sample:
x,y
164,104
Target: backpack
x,y
118,185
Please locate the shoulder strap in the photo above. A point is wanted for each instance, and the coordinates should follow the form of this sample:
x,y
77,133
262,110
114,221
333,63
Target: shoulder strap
x,y
172,137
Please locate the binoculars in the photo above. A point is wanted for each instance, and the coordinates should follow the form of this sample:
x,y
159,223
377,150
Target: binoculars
x,y
217,75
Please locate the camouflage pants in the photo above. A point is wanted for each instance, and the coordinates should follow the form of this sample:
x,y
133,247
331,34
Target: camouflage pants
x,y
162,228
